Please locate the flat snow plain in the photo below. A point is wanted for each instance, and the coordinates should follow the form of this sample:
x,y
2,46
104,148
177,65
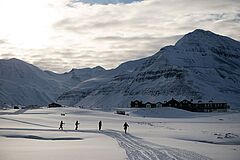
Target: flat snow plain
x,y
163,133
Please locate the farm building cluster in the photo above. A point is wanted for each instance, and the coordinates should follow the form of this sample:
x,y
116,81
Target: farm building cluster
x,y
185,105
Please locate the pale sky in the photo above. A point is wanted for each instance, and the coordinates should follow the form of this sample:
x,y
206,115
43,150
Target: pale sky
x,y
59,35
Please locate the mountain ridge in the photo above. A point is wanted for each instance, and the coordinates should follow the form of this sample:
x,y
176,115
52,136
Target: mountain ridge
x,y
201,65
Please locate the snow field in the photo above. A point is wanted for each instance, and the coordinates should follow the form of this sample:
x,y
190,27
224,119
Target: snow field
x,y
34,134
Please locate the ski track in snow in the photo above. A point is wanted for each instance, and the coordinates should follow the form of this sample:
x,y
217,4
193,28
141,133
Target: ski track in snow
x,y
137,149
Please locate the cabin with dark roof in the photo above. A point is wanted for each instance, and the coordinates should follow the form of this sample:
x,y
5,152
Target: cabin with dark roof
x,y
199,106
211,107
140,104
150,105
159,104
137,104
171,103
54,105
186,105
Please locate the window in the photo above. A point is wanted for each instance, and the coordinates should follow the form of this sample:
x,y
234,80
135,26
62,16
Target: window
x,y
148,105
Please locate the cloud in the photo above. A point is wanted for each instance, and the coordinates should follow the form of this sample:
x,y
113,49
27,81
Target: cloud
x,y
104,2
87,35
7,55
54,64
2,41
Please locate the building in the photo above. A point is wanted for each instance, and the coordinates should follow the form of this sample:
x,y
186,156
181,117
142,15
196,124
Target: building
x,y
199,106
121,112
159,104
171,103
185,105
16,107
140,104
211,107
54,105
137,104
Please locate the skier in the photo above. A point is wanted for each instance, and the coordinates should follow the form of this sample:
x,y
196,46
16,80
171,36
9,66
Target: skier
x,y
99,125
61,125
76,125
125,126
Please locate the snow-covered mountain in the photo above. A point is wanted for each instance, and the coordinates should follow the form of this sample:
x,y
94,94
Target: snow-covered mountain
x,y
25,84
201,65
22,83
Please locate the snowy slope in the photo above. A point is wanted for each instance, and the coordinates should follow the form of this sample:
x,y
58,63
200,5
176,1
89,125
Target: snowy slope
x,y
25,84
184,135
22,83
202,65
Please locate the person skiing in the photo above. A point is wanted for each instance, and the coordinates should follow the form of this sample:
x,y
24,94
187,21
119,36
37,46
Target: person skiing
x,y
99,125
76,125
61,125
125,126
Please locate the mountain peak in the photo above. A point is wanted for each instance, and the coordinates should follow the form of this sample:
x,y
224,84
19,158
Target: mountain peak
x,y
198,35
12,60
206,39
98,68
14,63
200,31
